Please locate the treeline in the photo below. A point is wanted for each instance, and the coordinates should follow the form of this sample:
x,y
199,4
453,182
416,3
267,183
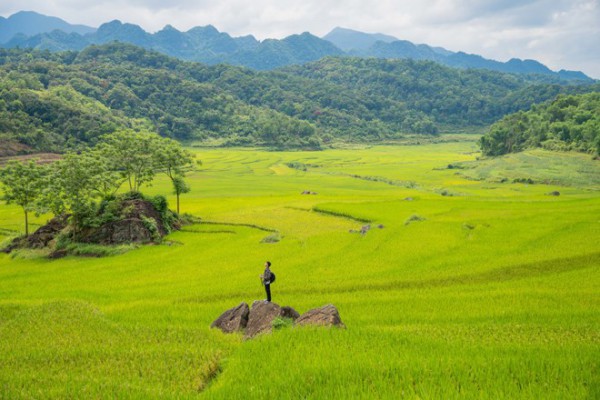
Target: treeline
x,y
57,100
570,122
83,184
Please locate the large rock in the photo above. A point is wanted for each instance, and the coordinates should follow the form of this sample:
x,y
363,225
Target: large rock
x,y
327,315
140,222
45,234
261,318
233,320
289,312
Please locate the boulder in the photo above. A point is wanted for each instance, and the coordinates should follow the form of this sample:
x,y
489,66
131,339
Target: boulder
x,y
554,193
289,312
233,320
261,318
140,222
327,315
45,234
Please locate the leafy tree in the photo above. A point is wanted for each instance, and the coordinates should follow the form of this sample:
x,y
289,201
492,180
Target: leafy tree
x,y
175,162
70,187
23,183
133,154
179,187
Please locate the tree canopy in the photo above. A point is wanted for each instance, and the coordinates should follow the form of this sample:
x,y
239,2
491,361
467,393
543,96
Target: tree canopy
x,y
55,101
570,122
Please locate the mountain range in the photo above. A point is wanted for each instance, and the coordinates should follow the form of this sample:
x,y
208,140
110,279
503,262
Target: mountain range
x,y
208,45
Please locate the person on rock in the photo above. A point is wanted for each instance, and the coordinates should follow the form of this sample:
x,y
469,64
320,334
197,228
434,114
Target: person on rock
x,y
267,278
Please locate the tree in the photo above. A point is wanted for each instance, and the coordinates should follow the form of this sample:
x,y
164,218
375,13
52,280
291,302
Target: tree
x,y
23,184
174,161
133,154
76,181
179,187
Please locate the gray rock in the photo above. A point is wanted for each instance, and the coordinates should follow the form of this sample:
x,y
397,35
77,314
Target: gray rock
x,y
261,317
327,315
289,312
233,320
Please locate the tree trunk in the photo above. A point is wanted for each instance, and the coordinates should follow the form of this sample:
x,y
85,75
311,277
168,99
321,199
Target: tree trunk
x,y
177,203
26,223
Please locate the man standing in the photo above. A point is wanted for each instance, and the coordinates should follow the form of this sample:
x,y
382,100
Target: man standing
x,y
267,278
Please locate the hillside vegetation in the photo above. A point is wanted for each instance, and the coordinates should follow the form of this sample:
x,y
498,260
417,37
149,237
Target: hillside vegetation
x,y
51,101
482,289
567,123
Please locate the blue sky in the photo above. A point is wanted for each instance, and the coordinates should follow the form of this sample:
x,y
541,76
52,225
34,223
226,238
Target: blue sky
x,y
563,34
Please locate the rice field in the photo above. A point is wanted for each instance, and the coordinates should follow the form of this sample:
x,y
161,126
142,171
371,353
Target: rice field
x,y
471,283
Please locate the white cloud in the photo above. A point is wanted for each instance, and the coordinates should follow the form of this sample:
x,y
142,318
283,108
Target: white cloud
x,y
559,33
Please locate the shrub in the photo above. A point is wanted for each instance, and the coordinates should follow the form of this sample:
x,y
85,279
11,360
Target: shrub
x,y
282,322
414,218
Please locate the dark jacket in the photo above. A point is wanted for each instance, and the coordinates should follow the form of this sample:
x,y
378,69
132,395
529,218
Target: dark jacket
x,y
267,275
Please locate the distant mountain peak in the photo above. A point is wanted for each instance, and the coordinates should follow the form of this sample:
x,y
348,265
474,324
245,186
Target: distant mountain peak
x,y
349,39
206,44
31,23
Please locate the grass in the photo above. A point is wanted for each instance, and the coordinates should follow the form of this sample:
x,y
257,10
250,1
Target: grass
x,y
492,293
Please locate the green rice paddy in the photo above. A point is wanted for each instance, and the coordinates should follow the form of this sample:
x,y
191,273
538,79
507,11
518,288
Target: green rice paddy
x,y
475,286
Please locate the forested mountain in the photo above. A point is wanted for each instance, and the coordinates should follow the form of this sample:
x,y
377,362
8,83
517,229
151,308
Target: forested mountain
x,y
204,44
55,100
208,45
567,123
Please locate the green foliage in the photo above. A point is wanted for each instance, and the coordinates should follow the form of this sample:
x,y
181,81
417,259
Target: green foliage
x,y
567,123
151,225
282,323
134,155
23,184
52,101
162,206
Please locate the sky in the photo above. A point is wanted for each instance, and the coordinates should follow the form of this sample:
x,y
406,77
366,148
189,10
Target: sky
x,y
562,34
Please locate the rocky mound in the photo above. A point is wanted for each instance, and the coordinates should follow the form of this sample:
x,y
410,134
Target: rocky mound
x,y
138,222
42,237
120,221
259,319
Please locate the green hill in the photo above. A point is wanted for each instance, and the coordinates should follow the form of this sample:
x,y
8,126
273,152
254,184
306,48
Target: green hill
x,y
53,100
567,123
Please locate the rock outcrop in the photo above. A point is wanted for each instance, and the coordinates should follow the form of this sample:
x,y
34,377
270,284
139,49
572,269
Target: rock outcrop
x,y
327,315
261,318
289,312
233,320
140,222
41,237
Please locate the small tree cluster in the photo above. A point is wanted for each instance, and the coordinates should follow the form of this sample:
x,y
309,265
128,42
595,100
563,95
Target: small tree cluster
x,y
74,183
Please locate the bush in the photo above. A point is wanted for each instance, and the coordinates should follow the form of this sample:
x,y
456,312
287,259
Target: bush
x,y
282,322
414,218
272,238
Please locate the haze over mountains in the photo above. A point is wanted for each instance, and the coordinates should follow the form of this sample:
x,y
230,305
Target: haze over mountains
x,y
208,45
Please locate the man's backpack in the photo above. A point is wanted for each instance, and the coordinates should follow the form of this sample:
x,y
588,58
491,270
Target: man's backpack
x,y
272,277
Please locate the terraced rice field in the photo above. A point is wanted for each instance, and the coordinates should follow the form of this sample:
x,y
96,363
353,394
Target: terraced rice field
x,y
474,286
